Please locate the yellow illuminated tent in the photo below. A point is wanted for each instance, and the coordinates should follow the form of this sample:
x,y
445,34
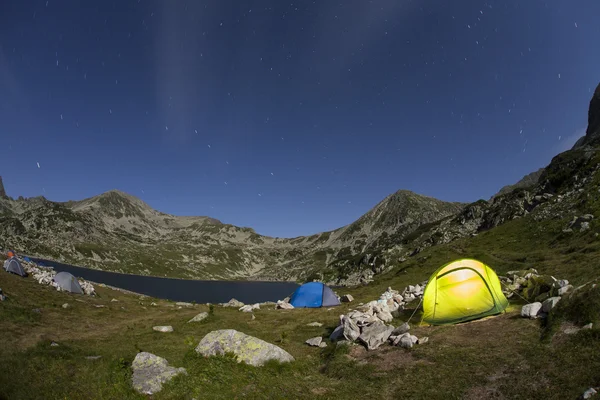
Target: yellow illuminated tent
x,y
461,291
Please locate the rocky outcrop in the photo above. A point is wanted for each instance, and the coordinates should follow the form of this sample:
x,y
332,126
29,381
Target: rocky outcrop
x,y
592,133
248,349
2,191
150,372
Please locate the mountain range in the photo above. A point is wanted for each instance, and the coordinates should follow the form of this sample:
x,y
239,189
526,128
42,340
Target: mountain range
x,y
119,232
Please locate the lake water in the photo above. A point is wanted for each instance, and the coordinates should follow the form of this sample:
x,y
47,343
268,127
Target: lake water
x,y
182,289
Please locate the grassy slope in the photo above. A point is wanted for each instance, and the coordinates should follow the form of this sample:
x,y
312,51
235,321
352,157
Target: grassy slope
x,y
500,357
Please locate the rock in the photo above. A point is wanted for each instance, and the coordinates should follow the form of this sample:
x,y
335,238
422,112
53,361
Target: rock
x,y
531,310
586,217
151,371
99,305
314,324
423,340
571,331
53,344
338,334
316,341
233,303
250,308
549,304
37,310
66,305
2,297
322,345
347,298
405,341
281,305
588,394
153,304
385,316
414,339
588,326
350,331
375,335
93,357
114,300
167,328
184,304
199,317
401,329
561,283
564,290
251,350
253,317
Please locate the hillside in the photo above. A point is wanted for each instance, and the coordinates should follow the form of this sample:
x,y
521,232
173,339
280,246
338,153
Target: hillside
x,y
119,232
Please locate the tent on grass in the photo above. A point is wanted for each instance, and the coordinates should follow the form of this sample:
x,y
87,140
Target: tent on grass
x,y
13,265
461,291
314,295
68,282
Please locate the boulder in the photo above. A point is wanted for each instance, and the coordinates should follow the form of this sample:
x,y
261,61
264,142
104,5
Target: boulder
x,y
322,345
184,304
423,340
401,329
251,350
66,305
338,334
233,303
166,328
199,317
347,298
113,300
531,310
375,335
150,372
250,308
314,324
53,344
588,326
549,304
316,341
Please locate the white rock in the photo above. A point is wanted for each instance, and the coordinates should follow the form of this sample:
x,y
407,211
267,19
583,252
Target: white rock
x,y
565,289
150,372
385,316
550,303
284,306
184,304
66,305
53,344
347,298
114,300
531,310
375,335
167,328
423,340
322,344
405,341
314,324
316,341
588,394
414,339
588,326
199,317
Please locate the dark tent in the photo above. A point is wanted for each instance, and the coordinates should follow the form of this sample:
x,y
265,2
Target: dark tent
x,y
13,265
313,295
68,282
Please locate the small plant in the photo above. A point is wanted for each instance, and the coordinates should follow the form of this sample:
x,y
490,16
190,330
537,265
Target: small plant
x,y
283,337
189,341
211,310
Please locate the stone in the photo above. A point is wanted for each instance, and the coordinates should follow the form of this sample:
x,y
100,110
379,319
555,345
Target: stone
x,y
423,340
564,290
385,316
585,226
531,310
53,344
93,357
588,326
401,329
66,305
316,341
405,341
150,372
588,394
347,298
549,304
153,304
322,345
199,317
167,328
184,304
414,339
338,334
253,317
250,308
233,303
562,283
248,349
571,331
375,335
99,305
314,324
350,331
281,305
114,300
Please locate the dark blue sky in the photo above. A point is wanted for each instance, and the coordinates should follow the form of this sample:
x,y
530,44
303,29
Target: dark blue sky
x,y
289,117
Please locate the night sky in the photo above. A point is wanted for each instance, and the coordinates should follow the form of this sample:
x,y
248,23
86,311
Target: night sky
x,y
289,117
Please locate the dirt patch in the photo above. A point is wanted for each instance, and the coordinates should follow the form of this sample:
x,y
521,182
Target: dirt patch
x,y
386,358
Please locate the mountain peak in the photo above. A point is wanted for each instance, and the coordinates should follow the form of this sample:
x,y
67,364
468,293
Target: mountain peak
x,y
592,134
2,191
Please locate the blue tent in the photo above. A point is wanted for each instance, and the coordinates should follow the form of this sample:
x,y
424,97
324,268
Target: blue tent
x,y
27,259
314,295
